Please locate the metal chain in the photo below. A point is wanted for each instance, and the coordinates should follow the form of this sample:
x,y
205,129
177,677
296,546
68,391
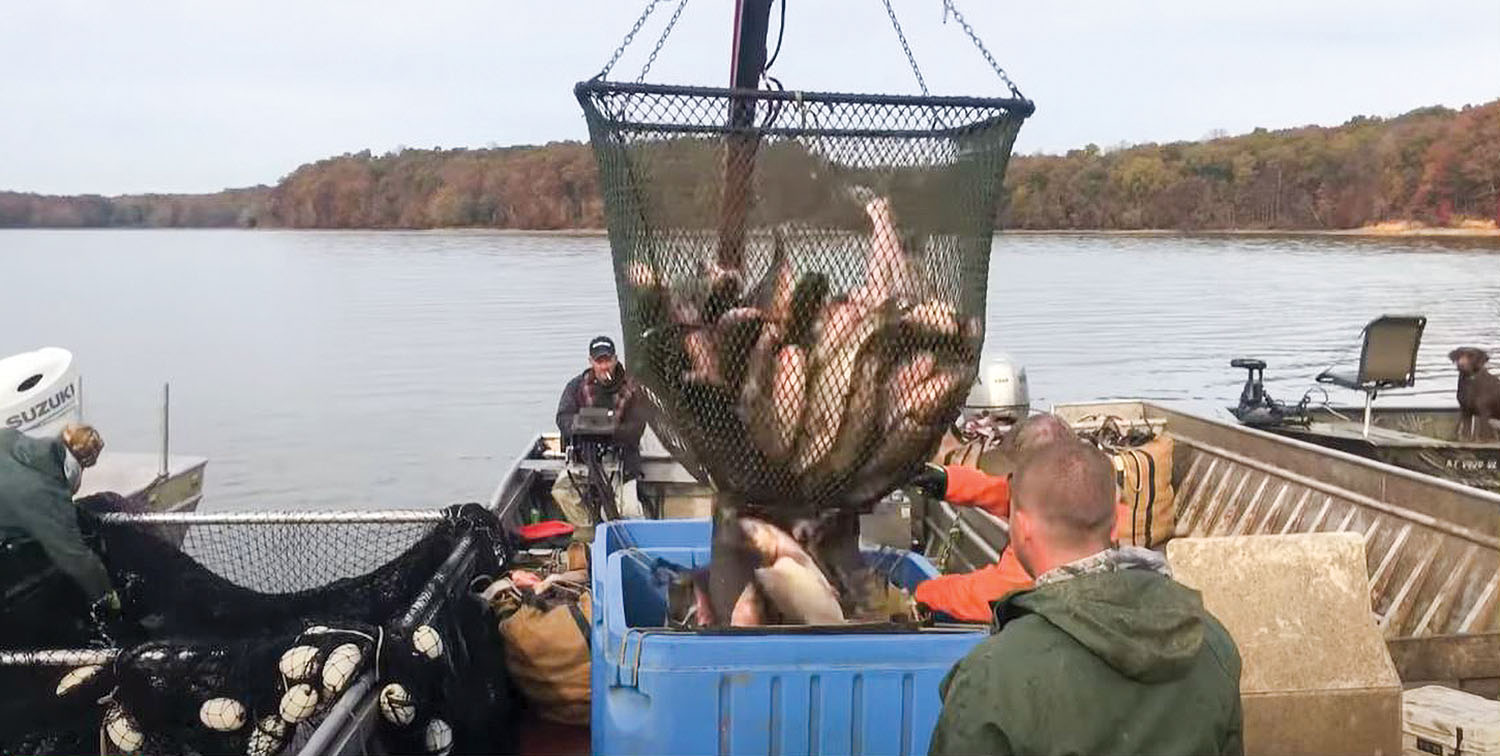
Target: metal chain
x,y
901,35
629,36
667,32
948,7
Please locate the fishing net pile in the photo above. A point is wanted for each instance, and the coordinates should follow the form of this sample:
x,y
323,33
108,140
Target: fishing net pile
x,y
239,639
801,280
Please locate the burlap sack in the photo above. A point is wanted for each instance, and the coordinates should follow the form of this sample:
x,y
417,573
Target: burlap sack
x,y
547,653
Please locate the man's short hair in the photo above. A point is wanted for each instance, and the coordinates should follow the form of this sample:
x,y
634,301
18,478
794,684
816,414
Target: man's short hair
x,y
83,442
1032,433
1071,486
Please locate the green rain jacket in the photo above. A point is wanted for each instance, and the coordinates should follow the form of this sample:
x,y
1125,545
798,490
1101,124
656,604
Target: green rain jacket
x,y
1115,661
36,506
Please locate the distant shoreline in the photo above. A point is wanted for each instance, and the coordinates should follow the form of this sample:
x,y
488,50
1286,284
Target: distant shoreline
x,y
1377,232
1366,231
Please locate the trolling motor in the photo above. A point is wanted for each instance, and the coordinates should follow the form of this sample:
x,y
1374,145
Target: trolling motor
x,y
593,442
1257,408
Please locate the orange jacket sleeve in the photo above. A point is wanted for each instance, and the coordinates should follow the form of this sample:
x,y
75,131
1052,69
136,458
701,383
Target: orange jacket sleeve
x,y
970,487
967,597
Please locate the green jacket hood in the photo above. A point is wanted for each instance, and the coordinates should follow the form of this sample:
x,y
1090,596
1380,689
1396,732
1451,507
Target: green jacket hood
x,y
1143,624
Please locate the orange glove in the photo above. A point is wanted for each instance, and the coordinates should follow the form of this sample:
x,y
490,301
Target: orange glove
x,y
970,487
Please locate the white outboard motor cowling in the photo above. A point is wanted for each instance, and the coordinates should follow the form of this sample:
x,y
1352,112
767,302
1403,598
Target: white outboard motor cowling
x,y
999,390
40,392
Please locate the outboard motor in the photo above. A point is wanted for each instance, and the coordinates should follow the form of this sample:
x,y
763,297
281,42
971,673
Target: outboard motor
x,y
40,391
1257,408
999,391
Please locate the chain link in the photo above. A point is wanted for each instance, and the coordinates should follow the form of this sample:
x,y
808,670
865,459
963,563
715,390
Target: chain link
x,y
629,36
667,32
901,35
948,7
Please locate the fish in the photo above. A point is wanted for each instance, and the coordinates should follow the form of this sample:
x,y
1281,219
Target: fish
x,y
732,560
699,346
909,441
640,275
937,317
791,579
889,272
757,390
807,303
723,293
886,256
860,412
846,330
749,609
734,335
788,400
773,293
833,542
707,417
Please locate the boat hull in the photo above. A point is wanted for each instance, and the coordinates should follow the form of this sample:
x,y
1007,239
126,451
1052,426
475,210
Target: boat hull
x,y
1421,439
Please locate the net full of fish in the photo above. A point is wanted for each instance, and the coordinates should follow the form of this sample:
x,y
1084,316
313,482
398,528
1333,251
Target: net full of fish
x,y
802,283
804,399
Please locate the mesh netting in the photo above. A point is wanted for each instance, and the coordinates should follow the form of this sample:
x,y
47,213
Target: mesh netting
x,y
256,628
801,277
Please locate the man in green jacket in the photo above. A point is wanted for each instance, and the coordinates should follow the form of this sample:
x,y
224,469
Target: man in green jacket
x,y
39,521
1106,654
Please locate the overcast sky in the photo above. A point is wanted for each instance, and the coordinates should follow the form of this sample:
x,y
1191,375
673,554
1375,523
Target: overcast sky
x,y
113,97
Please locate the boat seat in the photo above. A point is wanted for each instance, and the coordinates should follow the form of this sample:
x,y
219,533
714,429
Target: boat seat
x,y
1387,359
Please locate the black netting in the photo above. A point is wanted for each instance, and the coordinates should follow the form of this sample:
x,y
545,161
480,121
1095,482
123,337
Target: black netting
x,y
213,612
801,276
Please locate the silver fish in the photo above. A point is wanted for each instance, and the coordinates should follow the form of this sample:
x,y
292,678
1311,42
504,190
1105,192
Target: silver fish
x,y
756,392
860,415
791,580
789,400
734,335
845,330
910,440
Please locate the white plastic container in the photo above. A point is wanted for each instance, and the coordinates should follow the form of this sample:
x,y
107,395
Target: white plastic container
x,y
1442,721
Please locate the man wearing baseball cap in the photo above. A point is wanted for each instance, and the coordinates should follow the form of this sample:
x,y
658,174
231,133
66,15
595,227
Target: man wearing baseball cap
x,y
606,384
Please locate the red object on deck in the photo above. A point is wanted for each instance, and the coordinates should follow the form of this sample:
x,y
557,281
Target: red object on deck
x,y
541,531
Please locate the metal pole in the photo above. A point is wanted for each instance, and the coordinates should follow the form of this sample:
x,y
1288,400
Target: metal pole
x,y
166,403
57,657
276,517
1369,399
751,21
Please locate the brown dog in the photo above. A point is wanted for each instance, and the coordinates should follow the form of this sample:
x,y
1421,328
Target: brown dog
x,y
1478,394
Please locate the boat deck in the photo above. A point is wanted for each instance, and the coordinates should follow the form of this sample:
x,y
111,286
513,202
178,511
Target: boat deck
x,y
1354,431
138,476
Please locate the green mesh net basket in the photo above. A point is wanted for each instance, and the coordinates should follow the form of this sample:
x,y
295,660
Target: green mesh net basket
x,y
801,276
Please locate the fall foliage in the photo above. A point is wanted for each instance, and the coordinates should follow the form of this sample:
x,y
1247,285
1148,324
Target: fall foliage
x,y
1432,165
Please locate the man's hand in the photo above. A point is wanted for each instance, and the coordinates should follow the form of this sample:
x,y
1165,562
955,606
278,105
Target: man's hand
x,y
932,480
105,612
106,608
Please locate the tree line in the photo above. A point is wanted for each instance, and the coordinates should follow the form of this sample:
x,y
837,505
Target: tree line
x,y
1433,165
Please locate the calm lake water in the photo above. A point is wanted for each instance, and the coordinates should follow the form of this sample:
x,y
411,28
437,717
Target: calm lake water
x,y
391,369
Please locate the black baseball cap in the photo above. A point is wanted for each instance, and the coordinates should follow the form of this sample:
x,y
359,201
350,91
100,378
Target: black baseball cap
x,y
601,346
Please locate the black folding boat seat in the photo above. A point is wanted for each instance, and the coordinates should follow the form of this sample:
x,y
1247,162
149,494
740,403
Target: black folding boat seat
x,y
1388,359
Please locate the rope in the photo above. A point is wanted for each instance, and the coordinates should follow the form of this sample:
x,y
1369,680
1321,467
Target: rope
x,y
948,8
901,35
780,33
629,37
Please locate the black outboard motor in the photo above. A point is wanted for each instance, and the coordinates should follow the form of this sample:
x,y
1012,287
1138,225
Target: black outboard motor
x,y
592,443
1257,408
